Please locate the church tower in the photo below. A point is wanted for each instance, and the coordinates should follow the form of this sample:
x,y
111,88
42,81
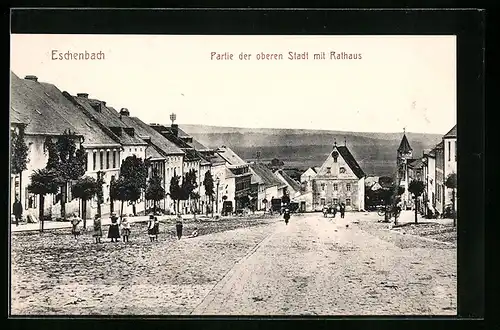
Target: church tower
x,y
404,155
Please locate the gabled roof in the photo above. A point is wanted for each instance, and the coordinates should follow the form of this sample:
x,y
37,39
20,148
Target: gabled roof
x,y
108,117
404,146
49,112
153,152
289,181
351,161
143,130
416,163
230,156
452,133
264,175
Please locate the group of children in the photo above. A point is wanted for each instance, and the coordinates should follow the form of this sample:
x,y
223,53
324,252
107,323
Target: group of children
x,y
123,227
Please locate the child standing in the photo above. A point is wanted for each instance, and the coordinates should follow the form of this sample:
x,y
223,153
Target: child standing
x,y
151,228
97,229
75,230
114,230
125,229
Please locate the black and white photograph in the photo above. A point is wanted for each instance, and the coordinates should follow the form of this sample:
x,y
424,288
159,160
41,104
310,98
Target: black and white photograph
x,y
256,175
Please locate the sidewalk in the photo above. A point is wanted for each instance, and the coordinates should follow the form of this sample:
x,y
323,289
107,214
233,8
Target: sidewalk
x,y
105,221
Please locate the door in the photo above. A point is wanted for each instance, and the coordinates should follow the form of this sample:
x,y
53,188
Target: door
x,y
302,206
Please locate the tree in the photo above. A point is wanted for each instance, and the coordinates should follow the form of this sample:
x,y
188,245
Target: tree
x,y
124,190
195,196
389,194
85,188
134,172
451,183
416,188
43,182
208,182
175,191
70,163
188,185
276,164
18,157
155,192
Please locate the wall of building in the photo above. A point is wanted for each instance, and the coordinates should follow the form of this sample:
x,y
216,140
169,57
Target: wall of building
x,y
439,187
450,165
332,191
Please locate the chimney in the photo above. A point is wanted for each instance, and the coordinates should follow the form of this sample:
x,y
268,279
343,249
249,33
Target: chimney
x,y
175,129
124,112
31,77
84,95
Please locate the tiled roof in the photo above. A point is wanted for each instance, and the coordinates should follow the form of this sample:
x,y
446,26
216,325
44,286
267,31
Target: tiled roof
x,y
351,162
291,182
266,176
452,133
191,155
153,152
404,146
230,156
108,117
144,130
49,112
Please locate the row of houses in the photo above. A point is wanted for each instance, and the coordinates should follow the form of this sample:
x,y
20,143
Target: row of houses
x,y
433,169
109,136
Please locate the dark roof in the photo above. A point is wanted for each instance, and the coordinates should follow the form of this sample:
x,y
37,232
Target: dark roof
x,y
266,175
49,112
291,182
404,146
153,152
440,145
108,117
144,130
416,163
351,161
191,155
452,133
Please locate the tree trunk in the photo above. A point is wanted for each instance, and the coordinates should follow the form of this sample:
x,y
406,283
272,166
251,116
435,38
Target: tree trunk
x,y
21,187
40,211
121,212
178,204
99,207
416,221
63,200
154,206
84,213
134,210
386,213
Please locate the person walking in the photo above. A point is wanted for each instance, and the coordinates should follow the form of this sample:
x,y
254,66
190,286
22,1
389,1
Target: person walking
x,y
151,228
125,226
156,228
17,210
286,215
178,226
342,210
97,229
75,221
114,230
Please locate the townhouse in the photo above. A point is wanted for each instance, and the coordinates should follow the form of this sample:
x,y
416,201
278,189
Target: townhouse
x,y
46,113
266,184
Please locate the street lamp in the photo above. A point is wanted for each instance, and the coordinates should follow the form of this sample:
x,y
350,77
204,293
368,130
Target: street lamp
x,y
217,196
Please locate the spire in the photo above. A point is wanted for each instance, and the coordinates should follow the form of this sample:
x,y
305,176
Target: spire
x,y
404,146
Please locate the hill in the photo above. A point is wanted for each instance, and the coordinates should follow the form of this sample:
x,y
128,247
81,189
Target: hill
x,y
375,152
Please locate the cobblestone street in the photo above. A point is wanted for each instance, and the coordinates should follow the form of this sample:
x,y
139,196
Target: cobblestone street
x,y
313,266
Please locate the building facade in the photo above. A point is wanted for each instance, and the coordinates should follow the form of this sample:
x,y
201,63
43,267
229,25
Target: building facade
x,y
339,180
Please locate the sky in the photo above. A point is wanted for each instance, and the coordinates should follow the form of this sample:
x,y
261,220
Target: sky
x,y
400,82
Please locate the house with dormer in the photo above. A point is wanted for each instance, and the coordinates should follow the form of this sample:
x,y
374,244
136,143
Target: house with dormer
x,y
46,112
339,180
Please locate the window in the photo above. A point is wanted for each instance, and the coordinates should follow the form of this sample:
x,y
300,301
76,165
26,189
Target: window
x,y
114,159
328,170
107,159
323,187
348,202
335,186
101,160
94,160
348,186
323,202
449,150
335,201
